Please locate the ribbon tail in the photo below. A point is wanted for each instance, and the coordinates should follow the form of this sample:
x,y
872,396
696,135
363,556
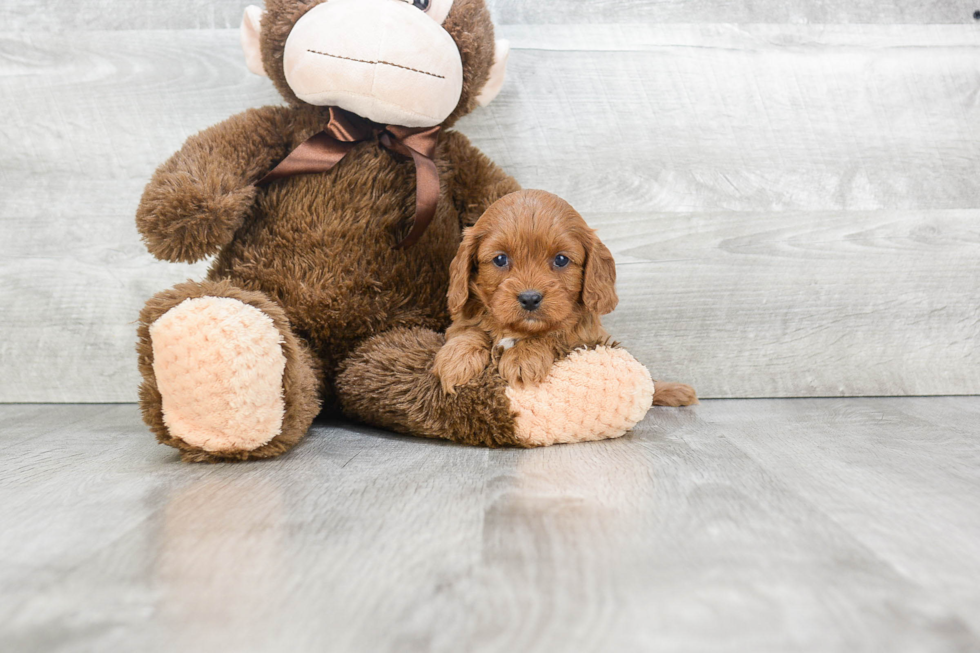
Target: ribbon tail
x,y
426,197
320,153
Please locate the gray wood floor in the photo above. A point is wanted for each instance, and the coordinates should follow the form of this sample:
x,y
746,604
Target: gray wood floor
x,y
768,525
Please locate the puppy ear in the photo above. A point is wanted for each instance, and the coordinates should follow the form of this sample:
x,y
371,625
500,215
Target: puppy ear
x,y
599,284
460,271
251,33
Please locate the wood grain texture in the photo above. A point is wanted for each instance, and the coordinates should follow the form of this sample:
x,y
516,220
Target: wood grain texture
x,y
187,14
774,525
905,448
702,118
733,146
24,15
812,303
731,11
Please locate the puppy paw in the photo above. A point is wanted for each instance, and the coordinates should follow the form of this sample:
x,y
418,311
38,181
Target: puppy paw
x,y
673,394
521,365
458,362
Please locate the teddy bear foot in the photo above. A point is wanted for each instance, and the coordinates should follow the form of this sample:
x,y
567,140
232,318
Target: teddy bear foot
x,y
593,394
224,378
219,367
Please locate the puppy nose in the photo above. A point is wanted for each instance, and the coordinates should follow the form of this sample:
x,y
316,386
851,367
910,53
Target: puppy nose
x,y
530,300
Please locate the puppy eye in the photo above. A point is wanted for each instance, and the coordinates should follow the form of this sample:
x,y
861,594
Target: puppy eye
x,y
561,261
501,260
421,4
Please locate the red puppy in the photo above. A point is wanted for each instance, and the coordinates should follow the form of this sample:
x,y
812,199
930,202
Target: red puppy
x,y
528,285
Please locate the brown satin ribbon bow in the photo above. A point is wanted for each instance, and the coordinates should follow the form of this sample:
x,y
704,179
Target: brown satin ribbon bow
x,y
324,150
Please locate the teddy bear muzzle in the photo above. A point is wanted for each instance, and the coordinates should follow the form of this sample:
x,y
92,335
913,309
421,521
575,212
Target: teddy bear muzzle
x,y
384,60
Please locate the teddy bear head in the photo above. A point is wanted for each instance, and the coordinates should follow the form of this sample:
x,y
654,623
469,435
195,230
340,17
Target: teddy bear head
x,y
414,63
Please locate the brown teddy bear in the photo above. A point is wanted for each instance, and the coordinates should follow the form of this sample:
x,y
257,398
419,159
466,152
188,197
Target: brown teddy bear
x,y
333,222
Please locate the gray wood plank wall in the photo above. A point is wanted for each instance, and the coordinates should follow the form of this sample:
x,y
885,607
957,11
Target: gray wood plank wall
x,y
793,206
193,14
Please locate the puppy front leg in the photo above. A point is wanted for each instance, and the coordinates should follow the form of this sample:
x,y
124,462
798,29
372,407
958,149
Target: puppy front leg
x,y
465,354
526,362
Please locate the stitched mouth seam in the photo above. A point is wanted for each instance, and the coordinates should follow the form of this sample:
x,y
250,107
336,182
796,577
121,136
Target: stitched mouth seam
x,y
386,63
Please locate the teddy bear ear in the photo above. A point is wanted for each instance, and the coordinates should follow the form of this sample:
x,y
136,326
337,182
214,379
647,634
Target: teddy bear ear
x,y
497,73
251,33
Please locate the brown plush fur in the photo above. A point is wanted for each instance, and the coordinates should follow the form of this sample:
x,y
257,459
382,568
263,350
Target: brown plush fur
x,y
315,252
388,383
529,229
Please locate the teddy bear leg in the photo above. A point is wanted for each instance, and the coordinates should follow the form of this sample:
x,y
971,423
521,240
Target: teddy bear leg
x,y
224,377
387,382
591,395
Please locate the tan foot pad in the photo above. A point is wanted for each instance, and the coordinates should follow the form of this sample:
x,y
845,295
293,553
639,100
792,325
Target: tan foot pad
x,y
591,395
219,366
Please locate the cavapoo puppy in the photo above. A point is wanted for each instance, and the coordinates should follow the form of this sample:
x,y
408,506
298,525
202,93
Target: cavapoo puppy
x,y
528,285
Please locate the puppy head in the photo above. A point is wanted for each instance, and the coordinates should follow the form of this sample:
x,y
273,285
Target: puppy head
x,y
532,265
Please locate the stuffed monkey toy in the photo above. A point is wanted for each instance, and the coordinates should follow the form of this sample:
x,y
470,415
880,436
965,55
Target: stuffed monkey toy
x,y
332,222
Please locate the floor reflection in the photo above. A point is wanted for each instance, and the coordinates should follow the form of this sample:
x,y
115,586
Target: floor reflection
x,y
222,558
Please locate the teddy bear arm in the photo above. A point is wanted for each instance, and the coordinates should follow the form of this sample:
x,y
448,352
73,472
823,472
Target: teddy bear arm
x,y
478,182
198,198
